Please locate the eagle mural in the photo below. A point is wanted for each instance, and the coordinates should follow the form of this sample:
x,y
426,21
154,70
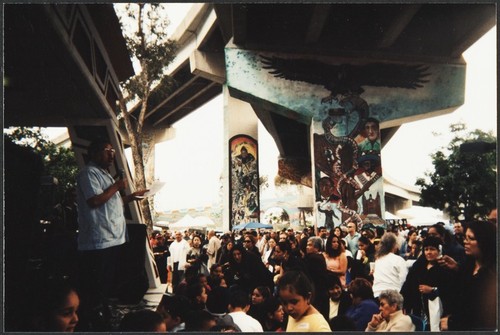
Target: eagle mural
x,y
346,79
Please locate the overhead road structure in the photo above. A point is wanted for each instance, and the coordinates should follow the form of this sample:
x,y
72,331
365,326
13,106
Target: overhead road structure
x,y
437,32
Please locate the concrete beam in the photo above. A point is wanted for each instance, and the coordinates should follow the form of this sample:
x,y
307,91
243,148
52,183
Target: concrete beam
x,y
317,22
192,33
239,15
206,88
251,78
208,65
398,25
171,96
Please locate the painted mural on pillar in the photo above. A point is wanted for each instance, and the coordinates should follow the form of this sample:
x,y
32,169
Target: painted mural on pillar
x,y
348,168
244,180
346,139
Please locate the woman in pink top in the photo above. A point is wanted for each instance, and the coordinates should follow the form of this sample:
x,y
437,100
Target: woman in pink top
x,y
335,257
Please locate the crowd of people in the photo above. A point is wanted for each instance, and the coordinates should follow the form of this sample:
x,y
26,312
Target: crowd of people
x,y
374,279
348,278
297,281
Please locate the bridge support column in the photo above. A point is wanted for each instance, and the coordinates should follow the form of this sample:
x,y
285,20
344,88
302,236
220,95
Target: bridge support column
x,y
241,177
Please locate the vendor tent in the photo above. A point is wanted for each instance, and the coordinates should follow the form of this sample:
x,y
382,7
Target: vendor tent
x,y
163,224
390,216
203,221
422,216
186,222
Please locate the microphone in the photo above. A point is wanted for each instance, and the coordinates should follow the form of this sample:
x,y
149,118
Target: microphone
x,y
121,173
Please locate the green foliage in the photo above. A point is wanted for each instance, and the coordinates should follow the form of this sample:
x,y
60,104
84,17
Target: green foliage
x,y
59,162
144,26
149,45
461,183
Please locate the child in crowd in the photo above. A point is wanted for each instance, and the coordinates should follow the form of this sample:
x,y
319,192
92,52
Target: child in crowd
x,y
143,321
296,293
53,307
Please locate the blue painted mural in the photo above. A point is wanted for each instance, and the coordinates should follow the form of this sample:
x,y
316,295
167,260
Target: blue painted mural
x,y
417,88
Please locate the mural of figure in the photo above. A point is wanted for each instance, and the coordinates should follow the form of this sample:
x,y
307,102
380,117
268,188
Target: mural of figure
x,y
369,170
329,215
327,190
371,143
243,161
244,179
347,149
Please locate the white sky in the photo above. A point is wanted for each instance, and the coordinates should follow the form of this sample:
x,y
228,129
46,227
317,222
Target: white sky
x,y
191,163
406,156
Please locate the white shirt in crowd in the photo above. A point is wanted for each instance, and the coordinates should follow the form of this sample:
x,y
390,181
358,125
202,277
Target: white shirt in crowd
x,y
261,244
390,273
178,253
246,323
214,245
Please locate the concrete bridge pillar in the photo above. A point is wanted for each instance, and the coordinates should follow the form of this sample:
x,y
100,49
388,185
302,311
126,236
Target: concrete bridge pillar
x,y
241,174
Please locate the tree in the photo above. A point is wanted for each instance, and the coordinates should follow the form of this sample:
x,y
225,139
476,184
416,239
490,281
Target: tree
x,y
59,162
149,45
463,184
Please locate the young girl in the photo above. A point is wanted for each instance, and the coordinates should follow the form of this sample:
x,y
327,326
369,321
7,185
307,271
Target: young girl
x,y
272,316
259,295
296,292
54,307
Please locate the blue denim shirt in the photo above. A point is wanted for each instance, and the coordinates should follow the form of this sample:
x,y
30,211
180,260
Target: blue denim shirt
x,y
104,226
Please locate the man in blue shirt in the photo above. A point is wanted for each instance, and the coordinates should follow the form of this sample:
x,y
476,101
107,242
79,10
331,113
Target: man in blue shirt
x,y
102,230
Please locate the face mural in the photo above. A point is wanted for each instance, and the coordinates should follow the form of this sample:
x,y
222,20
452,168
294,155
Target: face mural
x,y
244,179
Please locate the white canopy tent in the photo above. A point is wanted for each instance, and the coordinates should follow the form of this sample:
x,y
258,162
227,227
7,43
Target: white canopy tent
x,y
390,216
422,216
163,224
186,222
204,221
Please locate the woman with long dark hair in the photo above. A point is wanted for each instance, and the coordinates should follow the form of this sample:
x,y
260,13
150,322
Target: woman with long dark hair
x,y
477,277
247,270
335,257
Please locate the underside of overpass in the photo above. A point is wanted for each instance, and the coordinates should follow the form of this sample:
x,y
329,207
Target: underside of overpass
x,y
432,33
37,66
